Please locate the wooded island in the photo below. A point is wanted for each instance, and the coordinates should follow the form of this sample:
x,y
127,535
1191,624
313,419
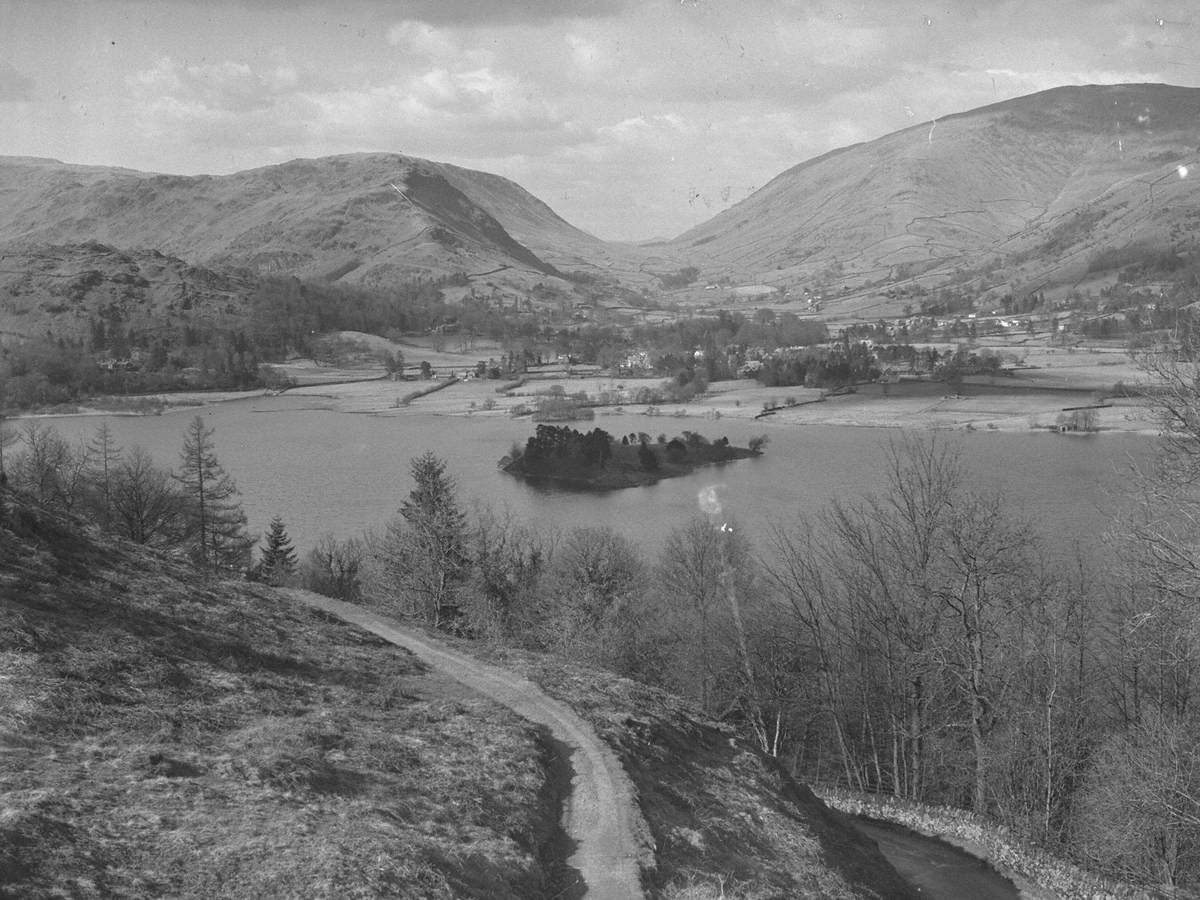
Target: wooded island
x,y
597,460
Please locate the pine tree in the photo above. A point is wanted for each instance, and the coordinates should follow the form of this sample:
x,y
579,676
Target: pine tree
x,y
218,522
424,553
278,562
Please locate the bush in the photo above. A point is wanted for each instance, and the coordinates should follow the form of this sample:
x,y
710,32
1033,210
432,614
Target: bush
x,y
647,457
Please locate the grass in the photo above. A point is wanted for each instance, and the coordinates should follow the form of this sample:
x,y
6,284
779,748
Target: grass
x,y
166,735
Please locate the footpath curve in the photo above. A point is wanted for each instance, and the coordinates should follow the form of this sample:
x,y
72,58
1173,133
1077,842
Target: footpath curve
x,y
601,815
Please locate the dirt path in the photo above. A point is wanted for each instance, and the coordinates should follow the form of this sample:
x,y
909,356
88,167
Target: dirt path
x,y
601,815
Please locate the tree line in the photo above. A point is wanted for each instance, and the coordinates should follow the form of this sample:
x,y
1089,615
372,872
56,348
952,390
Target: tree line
x,y
194,509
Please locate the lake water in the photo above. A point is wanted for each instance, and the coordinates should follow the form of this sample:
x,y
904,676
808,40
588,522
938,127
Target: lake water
x,y
331,472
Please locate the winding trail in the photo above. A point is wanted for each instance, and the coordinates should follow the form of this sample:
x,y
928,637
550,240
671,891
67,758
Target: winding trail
x,y
601,815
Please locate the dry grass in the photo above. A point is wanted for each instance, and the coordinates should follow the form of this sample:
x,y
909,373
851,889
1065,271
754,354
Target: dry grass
x,y
165,736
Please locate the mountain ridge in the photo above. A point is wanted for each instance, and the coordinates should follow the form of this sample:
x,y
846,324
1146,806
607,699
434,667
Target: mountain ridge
x,y
972,191
325,218
1032,193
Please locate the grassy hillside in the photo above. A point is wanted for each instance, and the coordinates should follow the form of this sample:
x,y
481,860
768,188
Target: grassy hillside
x,y
162,734
369,218
1028,194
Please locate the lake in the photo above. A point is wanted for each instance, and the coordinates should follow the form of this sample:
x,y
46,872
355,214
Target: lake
x,y
339,473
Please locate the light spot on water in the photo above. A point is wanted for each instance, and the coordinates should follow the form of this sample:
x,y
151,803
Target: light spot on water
x,y
710,500
1183,171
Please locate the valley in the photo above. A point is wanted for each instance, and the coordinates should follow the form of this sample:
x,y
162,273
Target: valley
x,y
918,528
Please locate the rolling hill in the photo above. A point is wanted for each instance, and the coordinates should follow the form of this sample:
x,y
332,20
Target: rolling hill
x,y
68,287
366,218
1033,193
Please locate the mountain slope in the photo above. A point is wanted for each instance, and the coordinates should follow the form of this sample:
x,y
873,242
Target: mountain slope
x,y
67,288
369,218
1030,191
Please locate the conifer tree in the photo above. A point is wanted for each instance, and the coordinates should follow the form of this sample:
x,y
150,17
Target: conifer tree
x,y
218,524
424,553
278,562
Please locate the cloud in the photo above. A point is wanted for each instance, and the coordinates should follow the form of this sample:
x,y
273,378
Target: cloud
x,y
434,110
226,86
421,39
509,12
14,86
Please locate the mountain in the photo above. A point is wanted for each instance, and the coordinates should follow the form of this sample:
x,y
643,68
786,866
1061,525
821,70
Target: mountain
x,y
1045,193
364,218
1036,193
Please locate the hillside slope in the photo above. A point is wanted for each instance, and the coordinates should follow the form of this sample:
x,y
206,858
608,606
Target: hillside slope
x,y
161,734
68,288
366,218
1031,193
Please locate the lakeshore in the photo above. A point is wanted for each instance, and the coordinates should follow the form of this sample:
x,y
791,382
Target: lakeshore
x,y
1036,395
994,404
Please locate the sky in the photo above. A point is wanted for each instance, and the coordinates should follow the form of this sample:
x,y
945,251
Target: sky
x,y
633,119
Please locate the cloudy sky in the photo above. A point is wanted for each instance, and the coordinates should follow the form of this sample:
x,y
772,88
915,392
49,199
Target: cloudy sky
x,y
631,118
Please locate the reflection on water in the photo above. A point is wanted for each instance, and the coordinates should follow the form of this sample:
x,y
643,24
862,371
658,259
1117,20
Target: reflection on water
x,y
340,473
937,869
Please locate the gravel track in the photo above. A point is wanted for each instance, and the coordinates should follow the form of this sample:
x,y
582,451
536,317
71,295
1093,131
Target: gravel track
x,y
601,815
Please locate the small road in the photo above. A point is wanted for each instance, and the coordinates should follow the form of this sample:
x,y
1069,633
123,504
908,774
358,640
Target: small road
x,y
936,869
601,815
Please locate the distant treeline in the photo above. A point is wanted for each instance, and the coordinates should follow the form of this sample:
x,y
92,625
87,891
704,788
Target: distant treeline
x,y
281,317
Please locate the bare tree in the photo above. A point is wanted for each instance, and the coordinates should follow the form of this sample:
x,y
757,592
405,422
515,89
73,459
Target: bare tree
x,y
590,608
103,456
8,437
508,562
48,468
690,571
334,568
147,505
905,600
1139,813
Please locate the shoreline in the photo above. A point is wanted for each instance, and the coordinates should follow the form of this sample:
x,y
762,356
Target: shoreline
x,y
990,406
